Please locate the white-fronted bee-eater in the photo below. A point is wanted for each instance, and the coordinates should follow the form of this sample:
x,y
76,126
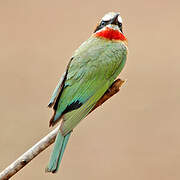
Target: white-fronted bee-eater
x,y
91,71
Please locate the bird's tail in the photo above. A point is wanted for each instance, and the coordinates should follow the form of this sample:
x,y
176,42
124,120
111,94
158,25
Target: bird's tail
x,y
57,153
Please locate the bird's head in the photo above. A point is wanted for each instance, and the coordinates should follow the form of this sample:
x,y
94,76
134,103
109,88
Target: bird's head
x,y
110,27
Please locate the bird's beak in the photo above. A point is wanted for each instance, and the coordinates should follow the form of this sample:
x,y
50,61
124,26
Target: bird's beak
x,y
115,20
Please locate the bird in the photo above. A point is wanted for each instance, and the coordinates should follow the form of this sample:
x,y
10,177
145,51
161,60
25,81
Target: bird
x,y
90,72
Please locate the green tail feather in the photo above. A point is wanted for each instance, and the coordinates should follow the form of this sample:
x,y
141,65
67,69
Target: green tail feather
x,y
57,153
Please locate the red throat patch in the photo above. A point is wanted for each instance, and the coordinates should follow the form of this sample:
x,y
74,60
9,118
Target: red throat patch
x,y
111,34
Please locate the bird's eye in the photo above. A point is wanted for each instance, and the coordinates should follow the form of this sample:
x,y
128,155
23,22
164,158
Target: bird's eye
x,y
103,23
119,24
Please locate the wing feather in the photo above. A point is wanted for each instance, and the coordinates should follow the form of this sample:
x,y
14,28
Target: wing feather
x,y
57,91
71,119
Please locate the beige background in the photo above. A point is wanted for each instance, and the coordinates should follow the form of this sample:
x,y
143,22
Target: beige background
x,y
136,134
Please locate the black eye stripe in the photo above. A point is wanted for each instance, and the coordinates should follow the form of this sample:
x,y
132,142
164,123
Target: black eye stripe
x,y
101,25
104,23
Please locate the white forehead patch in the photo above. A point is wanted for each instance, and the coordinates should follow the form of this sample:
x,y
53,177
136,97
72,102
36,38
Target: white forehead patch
x,y
119,19
108,16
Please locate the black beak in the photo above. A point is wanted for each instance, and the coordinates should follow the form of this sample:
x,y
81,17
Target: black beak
x,y
115,20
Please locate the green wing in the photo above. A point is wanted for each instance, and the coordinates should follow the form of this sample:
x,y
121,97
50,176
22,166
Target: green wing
x,y
82,85
57,91
72,118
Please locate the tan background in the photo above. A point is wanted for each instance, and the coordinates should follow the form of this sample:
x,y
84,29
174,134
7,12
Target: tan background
x,y
136,134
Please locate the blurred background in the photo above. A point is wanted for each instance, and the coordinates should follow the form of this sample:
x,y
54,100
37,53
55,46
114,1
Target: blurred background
x,y
133,136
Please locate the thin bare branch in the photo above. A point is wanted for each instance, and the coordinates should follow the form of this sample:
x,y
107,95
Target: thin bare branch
x,y
40,146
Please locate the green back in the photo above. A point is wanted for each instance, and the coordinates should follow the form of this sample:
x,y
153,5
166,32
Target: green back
x,y
93,68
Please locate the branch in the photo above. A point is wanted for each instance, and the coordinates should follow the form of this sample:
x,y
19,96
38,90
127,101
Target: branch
x,y
50,138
